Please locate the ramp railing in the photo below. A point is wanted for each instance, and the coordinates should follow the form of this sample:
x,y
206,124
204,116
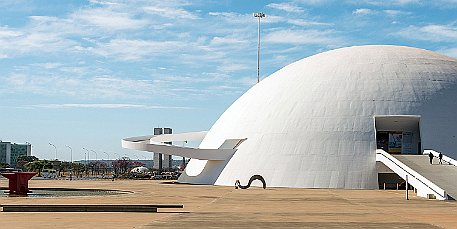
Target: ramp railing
x,y
445,158
423,186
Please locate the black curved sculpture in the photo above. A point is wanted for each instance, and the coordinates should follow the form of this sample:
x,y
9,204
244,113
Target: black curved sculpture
x,y
255,177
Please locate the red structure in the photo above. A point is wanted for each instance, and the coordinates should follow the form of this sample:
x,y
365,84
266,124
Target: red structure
x,y
19,182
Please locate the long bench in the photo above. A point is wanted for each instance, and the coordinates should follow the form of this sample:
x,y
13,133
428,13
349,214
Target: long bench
x,y
86,207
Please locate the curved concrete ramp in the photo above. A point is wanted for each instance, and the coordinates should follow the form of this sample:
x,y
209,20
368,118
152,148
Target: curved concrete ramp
x,y
443,175
155,143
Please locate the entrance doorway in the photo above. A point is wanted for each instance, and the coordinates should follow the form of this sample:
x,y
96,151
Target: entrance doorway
x,y
398,134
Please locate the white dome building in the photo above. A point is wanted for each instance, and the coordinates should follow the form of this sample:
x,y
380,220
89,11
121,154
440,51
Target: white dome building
x,y
317,122
140,169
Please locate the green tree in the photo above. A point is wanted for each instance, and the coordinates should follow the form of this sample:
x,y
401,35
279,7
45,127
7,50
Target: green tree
x,y
78,168
37,166
4,165
24,159
123,165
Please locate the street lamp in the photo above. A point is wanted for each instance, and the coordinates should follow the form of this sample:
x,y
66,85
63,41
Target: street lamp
x,y
85,164
107,162
96,156
71,153
55,154
258,15
88,154
118,156
106,155
71,160
96,162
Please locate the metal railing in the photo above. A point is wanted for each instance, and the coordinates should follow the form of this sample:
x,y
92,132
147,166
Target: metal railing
x,y
422,180
446,159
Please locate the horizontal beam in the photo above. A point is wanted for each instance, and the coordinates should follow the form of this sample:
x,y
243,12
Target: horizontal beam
x,y
202,154
155,143
86,208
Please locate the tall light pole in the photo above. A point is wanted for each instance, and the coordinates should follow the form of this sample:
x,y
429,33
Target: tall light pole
x,y
258,15
71,160
108,158
55,153
96,156
106,155
88,154
71,153
118,156
106,170
96,161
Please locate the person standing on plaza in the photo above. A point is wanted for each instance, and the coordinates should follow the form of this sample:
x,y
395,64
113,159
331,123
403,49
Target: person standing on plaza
x,y
430,155
440,156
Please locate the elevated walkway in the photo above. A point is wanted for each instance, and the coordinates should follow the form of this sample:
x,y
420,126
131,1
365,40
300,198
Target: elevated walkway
x,y
156,144
443,175
436,179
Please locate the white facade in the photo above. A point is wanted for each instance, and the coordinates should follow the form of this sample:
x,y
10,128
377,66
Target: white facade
x,y
313,123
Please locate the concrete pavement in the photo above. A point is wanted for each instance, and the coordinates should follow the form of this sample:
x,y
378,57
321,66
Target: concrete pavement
x,y
225,207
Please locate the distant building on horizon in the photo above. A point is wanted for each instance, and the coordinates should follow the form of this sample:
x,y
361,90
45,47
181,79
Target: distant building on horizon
x,y
9,152
162,161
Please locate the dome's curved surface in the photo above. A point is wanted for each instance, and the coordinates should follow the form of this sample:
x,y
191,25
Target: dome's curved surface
x,y
311,124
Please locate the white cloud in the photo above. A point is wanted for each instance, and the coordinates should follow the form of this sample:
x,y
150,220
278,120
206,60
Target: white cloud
x,y
6,32
44,42
103,2
363,12
314,2
170,12
386,2
227,41
404,2
436,33
235,18
272,19
100,87
299,37
49,65
16,42
17,80
390,13
108,19
233,67
105,106
286,7
126,49
302,22
394,13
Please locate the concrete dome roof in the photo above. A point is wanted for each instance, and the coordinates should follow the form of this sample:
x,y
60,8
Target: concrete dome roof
x,y
140,169
310,124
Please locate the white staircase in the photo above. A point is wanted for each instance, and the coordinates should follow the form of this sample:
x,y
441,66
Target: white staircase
x,y
439,180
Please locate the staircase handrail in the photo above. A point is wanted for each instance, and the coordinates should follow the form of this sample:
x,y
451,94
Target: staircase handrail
x,y
413,174
447,159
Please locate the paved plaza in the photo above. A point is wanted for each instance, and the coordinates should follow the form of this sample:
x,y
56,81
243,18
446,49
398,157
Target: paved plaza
x,y
226,207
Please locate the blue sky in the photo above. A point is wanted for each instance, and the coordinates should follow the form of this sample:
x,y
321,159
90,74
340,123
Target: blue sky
x,y
89,73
